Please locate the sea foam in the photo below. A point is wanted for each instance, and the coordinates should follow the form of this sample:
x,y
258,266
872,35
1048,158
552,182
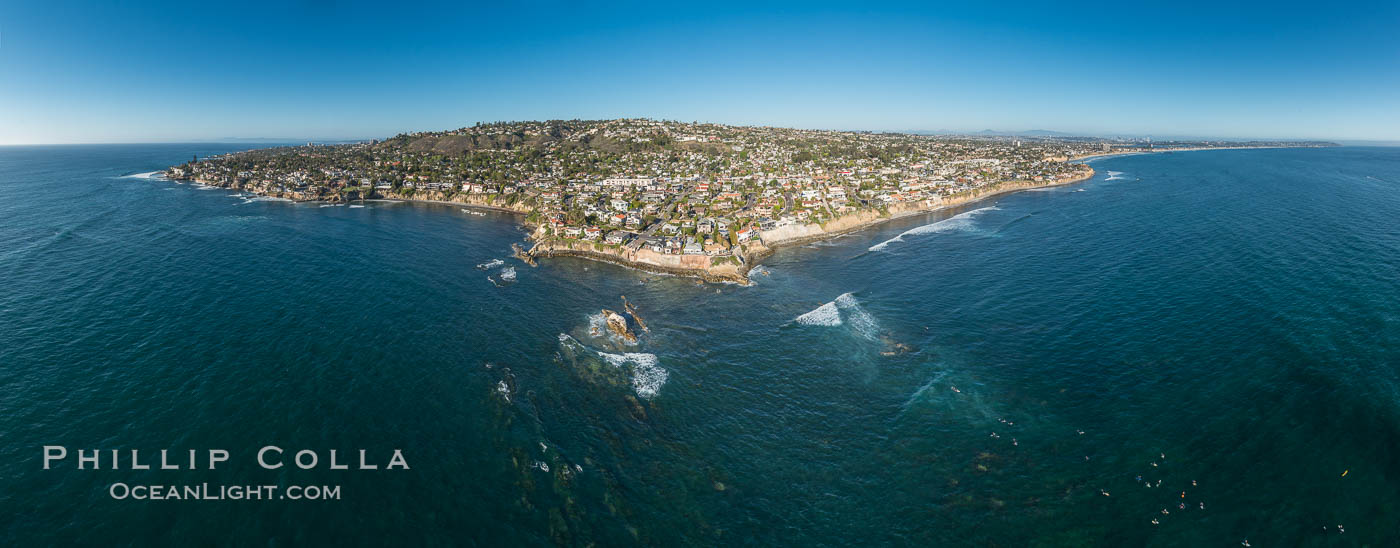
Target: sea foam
x,y
1114,176
861,321
146,175
644,370
961,221
844,310
647,376
826,314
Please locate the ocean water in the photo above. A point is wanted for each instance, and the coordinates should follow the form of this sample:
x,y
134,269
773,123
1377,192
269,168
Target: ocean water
x,y
1214,334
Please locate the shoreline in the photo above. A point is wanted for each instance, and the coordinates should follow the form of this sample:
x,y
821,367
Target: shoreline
x,y
1093,157
967,200
750,255
753,254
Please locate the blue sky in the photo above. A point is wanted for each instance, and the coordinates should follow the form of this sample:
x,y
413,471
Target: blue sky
x,y
134,72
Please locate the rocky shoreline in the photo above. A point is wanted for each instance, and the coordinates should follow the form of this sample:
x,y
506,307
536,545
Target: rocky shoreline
x,y
708,268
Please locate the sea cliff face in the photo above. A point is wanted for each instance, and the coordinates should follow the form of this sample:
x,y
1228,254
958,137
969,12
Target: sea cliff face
x,y
710,268
705,267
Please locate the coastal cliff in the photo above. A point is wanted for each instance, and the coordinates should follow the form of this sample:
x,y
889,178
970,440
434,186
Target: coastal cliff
x,y
726,268
804,233
709,268
706,267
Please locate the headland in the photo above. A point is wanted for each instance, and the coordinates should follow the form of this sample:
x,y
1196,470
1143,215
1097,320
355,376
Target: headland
x,y
703,200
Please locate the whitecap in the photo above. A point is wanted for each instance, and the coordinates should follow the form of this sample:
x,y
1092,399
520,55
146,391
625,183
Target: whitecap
x,y
488,265
643,369
597,325
1114,176
146,175
356,206
647,375
508,274
859,319
826,315
842,311
961,221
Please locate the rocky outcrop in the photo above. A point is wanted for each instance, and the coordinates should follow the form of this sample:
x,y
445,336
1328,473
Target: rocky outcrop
x,y
706,267
632,311
710,268
618,325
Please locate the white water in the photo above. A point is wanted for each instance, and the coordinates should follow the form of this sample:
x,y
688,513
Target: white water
x,y
826,315
643,369
647,376
1114,176
960,222
844,310
146,175
488,265
597,325
860,320
508,274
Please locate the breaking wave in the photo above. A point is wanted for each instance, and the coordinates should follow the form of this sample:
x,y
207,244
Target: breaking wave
x,y
508,274
961,221
643,369
844,310
265,199
146,175
859,319
647,376
826,314
488,265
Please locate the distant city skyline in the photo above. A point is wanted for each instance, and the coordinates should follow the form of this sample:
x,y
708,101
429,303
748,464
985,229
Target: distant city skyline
x,y
325,70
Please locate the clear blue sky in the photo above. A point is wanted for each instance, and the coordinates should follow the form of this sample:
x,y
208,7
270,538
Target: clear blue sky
x,y
134,71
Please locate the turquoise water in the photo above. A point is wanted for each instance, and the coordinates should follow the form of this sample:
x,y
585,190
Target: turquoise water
x,y
1231,316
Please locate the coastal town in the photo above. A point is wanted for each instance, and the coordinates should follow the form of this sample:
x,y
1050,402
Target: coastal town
x,y
699,199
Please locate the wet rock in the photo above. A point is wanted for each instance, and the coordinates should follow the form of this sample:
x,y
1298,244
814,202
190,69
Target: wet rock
x,y
618,325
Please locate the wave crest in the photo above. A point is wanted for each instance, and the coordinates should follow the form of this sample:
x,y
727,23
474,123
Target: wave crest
x,y
961,221
826,315
844,309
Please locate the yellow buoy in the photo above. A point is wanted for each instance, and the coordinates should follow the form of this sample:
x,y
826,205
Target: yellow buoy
x,y
1344,472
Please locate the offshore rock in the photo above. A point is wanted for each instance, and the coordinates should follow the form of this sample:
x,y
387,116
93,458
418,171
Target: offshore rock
x,y
632,311
618,324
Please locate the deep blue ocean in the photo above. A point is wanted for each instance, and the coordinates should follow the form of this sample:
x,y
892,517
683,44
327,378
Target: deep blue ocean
x,y
1205,339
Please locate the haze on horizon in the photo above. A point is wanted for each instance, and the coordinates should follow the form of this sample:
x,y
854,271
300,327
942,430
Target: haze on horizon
x,y
325,70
